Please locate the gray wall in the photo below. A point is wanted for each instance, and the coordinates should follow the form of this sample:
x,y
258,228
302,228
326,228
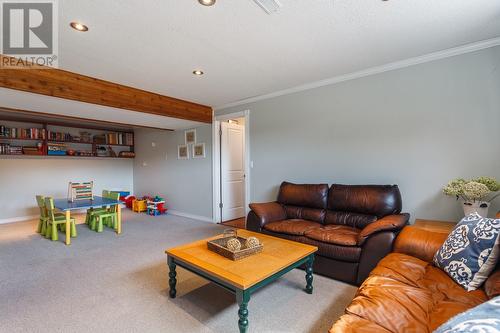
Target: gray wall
x,y
21,178
186,184
417,127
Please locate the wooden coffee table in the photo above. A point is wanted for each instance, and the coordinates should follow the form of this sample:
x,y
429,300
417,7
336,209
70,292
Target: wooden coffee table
x,y
244,276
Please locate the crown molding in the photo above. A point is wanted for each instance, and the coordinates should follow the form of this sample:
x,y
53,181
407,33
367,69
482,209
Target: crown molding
x,y
467,48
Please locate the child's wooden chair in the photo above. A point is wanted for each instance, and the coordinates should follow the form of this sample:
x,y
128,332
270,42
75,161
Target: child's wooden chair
x,y
56,219
91,211
108,217
42,222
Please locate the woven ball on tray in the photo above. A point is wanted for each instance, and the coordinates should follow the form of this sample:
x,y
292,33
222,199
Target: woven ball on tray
x,y
252,242
233,244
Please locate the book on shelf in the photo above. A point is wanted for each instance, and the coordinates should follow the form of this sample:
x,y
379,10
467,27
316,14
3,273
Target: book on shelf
x,y
22,133
117,139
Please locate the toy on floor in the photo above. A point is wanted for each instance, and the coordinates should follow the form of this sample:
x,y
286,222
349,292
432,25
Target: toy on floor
x,y
156,206
128,200
139,206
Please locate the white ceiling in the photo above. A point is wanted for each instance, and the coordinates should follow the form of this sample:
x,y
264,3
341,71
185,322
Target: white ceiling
x,y
156,44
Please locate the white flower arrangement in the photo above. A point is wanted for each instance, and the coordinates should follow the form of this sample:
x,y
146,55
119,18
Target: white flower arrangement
x,y
474,190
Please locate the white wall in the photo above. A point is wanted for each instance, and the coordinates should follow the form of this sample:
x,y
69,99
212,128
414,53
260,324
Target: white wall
x,y
186,184
23,177
417,127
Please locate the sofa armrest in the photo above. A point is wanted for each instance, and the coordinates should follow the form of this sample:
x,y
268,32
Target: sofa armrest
x,y
419,243
492,284
387,223
263,213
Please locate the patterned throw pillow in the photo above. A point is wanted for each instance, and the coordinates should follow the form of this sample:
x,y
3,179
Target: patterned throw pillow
x,y
483,318
470,252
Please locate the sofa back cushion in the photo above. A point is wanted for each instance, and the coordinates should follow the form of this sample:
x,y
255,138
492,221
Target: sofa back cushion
x,y
376,200
354,220
303,195
311,214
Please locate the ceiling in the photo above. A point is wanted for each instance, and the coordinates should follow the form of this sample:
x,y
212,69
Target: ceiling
x,y
156,44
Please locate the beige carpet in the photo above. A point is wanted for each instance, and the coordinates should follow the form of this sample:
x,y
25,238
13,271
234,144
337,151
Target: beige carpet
x,y
109,283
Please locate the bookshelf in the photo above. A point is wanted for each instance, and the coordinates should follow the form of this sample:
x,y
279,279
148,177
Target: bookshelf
x,y
45,139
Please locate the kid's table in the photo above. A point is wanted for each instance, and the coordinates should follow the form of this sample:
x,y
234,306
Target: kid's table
x,y
67,206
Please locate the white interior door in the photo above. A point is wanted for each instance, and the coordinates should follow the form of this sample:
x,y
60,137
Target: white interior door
x,y
232,171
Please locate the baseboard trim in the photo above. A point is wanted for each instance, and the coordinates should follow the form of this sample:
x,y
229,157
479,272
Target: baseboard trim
x,y
191,216
18,219
32,217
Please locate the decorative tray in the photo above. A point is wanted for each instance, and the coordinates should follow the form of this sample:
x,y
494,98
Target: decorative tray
x,y
219,246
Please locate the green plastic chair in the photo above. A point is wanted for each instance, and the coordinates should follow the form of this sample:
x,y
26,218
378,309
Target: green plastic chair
x,y
56,219
42,222
108,218
91,211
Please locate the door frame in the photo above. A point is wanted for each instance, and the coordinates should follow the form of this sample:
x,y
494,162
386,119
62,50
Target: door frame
x,y
216,159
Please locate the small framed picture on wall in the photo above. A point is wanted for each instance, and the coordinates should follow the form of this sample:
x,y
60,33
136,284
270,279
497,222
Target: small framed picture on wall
x,y
190,136
182,152
199,150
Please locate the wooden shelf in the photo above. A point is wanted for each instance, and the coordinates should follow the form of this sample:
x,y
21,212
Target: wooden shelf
x,y
88,143
19,139
23,156
46,142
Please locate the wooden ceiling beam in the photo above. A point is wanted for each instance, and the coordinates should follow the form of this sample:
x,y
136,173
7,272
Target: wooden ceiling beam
x,y
68,85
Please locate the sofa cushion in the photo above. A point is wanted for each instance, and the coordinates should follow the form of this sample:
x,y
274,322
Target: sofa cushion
x,y
349,254
470,253
303,195
304,213
335,234
354,220
406,294
378,200
291,227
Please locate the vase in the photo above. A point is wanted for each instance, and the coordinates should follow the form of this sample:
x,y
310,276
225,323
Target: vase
x,y
479,207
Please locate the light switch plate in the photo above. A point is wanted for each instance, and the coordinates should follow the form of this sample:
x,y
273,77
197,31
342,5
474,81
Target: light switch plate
x,y
153,144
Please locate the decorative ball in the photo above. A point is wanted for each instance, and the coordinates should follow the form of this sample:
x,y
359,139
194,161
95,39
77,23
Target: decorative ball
x,y
252,242
233,244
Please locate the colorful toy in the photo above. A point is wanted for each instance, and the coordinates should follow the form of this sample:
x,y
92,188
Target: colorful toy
x,y
128,200
139,206
156,206
80,191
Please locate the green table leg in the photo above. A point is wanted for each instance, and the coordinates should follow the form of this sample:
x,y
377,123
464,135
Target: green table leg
x,y
309,274
172,281
243,297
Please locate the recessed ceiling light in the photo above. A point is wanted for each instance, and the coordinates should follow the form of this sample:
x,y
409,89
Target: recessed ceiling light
x,y
79,26
207,2
198,72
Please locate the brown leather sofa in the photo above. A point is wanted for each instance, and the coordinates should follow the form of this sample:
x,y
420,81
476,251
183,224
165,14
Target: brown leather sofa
x,y
407,293
353,226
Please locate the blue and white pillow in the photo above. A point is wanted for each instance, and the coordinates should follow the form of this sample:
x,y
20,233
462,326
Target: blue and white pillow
x,y
483,318
470,252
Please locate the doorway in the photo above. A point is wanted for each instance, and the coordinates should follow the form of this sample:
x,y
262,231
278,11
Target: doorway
x,y
231,167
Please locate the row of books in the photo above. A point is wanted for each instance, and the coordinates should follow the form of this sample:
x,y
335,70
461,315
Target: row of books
x,y
59,136
22,133
7,149
115,139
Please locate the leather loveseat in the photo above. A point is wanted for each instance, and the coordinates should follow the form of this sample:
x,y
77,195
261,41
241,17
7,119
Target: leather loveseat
x,y
353,226
407,293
